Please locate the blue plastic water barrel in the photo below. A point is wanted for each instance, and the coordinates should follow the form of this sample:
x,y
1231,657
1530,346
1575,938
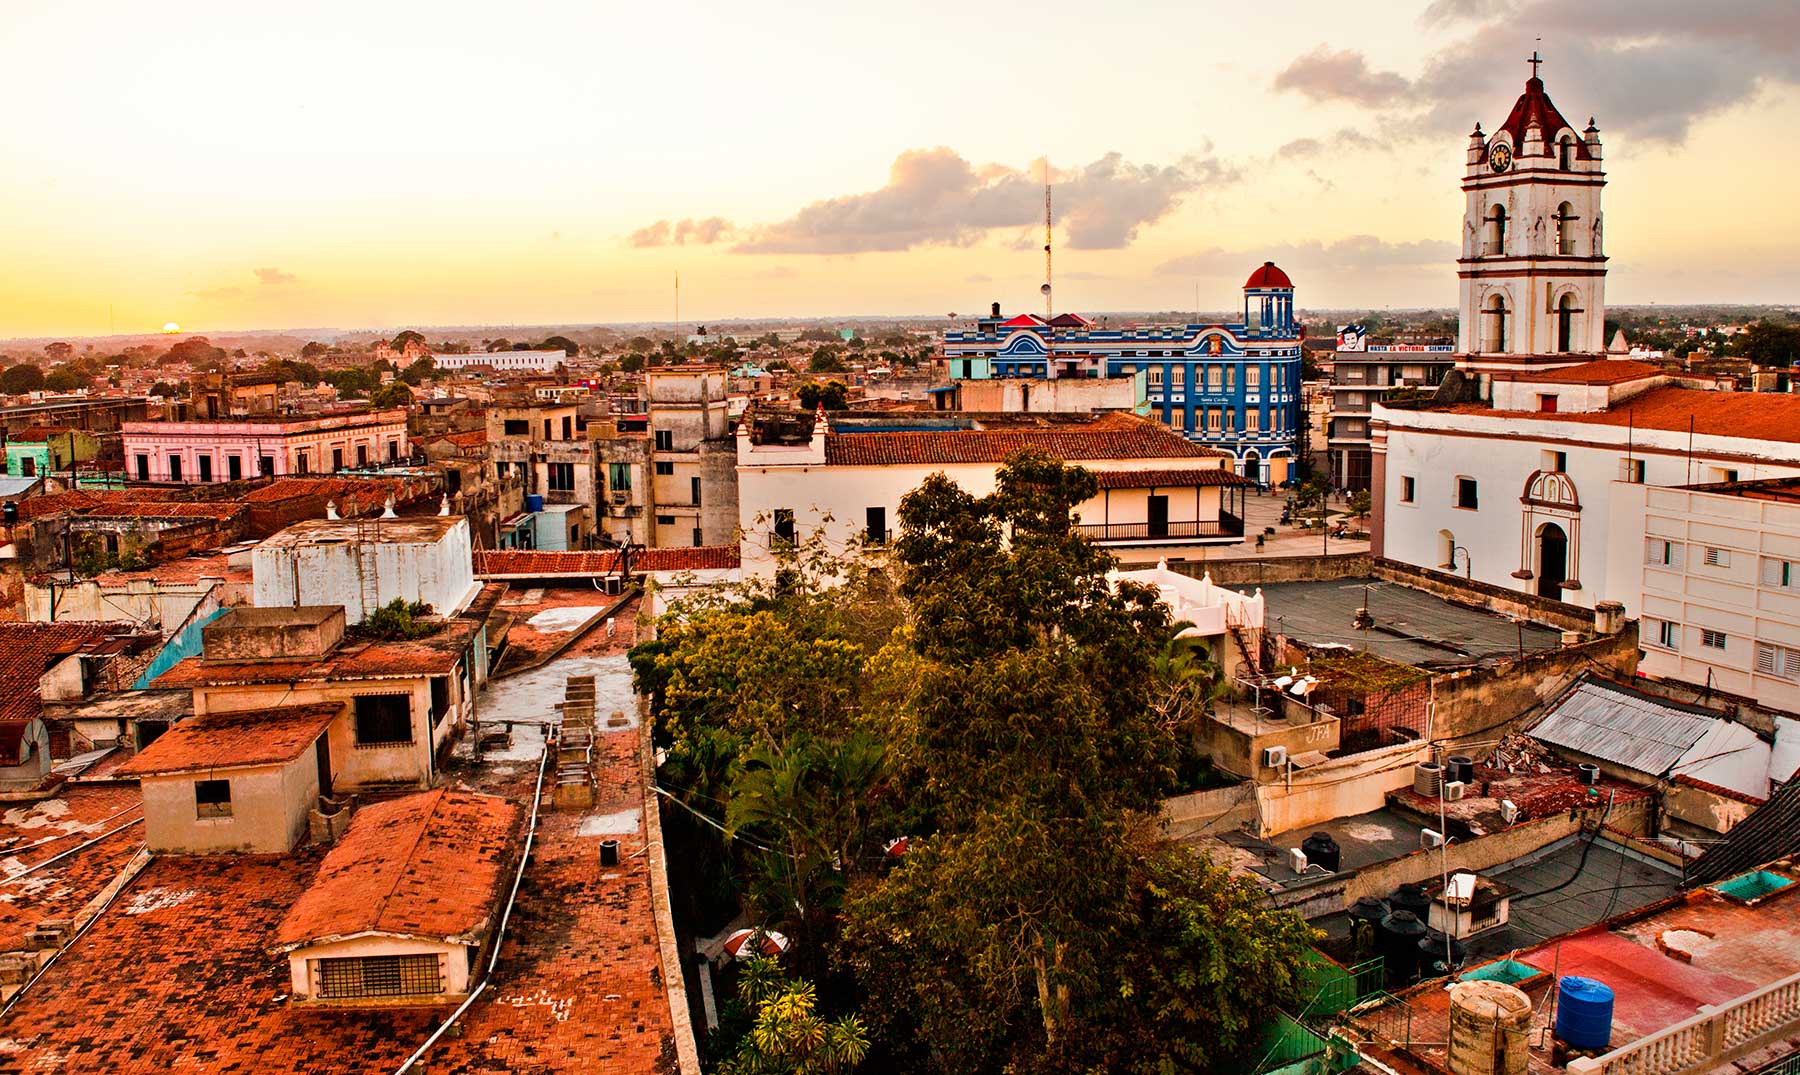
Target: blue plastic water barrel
x,y
534,502
1584,1012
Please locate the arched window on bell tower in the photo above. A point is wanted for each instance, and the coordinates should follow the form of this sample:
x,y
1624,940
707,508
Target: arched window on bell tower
x,y
1565,153
1565,322
1496,231
1494,325
1565,228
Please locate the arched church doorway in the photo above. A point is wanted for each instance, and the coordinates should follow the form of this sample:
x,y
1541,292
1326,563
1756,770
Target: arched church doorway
x,y
1553,560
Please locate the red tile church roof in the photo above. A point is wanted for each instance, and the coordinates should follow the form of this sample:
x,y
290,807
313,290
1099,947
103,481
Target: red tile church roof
x,y
1268,275
1533,106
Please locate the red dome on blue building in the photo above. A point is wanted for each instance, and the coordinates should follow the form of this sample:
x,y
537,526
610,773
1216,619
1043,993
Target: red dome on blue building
x,y
1268,275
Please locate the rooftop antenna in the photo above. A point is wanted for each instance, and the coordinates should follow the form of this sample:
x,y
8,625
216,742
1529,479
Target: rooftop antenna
x,y
1047,234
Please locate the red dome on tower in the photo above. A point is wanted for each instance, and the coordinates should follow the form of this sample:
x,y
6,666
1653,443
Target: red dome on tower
x,y
1268,275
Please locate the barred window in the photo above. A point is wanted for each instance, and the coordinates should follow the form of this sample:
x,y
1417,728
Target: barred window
x,y
380,976
383,719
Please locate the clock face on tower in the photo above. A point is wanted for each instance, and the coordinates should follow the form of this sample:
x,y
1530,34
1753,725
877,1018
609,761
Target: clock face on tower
x,y
1500,157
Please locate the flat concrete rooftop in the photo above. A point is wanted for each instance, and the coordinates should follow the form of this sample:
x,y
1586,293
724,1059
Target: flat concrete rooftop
x,y
1411,626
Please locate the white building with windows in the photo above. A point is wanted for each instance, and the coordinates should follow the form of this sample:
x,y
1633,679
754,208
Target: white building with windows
x,y
1717,579
840,480
533,361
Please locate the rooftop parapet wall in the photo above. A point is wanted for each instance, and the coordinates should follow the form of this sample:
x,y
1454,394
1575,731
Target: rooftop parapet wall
x,y
252,634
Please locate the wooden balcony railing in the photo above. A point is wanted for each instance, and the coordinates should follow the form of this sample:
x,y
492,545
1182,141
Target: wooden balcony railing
x,y
1226,526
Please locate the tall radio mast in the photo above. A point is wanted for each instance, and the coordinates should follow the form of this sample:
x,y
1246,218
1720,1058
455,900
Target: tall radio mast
x,y
1046,287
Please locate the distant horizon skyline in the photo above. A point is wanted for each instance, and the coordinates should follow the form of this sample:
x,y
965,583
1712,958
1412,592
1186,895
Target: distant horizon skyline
x,y
771,319
367,166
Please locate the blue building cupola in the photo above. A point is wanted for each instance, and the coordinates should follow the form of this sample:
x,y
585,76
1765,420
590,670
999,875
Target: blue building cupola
x,y
1269,302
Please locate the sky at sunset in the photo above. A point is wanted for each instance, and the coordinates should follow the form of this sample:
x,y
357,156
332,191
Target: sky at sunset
x,y
232,165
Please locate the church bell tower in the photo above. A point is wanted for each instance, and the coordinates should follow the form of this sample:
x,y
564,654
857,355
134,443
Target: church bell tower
x,y
1532,276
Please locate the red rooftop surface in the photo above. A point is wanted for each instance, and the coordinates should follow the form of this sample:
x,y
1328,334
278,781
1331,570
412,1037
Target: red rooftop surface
x,y
1598,372
1141,479
1268,274
231,740
1663,963
1744,415
1107,436
28,650
427,865
520,563
180,973
32,834
39,434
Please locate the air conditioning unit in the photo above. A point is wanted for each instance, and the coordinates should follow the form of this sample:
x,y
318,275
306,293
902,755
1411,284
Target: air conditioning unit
x,y
1296,860
1274,757
1509,811
1455,790
1430,838
612,585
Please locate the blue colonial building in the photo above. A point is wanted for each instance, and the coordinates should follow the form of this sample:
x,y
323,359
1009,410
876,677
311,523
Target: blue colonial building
x,y
1235,387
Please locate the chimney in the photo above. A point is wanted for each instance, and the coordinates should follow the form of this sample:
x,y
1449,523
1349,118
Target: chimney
x,y
1609,618
996,309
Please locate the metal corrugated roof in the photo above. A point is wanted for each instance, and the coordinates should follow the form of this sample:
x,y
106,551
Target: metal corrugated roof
x,y
1621,726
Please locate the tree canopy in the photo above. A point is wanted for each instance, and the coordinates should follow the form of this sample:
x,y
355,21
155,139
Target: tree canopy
x,y
395,394
832,395
985,696
23,377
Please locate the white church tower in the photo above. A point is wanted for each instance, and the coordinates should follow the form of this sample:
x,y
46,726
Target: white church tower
x,y
1533,267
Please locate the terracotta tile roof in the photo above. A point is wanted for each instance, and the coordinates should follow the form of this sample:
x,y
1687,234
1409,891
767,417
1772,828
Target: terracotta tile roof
x,y
186,569
1110,436
167,509
126,504
31,834
428,865
1599,371
519,563
38,434
1740,415
370,490
27,650
435,654
474,438
231,740
1140,479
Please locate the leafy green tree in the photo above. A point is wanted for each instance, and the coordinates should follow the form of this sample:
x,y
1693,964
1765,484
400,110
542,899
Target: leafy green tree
x,y
314,350
632,363
195,351
395,394
832,395
419,371
562,343
352,383
165,390
787,1034
23,377
398,620
1360,506
640,345
400,341
498,345
827,360
1768,343
63,379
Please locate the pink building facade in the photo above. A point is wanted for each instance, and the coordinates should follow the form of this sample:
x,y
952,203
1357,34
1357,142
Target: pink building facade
x,y
244,448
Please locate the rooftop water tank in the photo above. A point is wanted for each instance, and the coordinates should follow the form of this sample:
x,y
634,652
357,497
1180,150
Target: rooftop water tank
x,y
1584,1012
1411,897
534,502
1459,767
1323,850
1398,944
1439,955
1489,1023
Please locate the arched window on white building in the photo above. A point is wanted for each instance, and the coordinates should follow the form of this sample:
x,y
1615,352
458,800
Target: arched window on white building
x,y
1493,324
1496,231
1565,228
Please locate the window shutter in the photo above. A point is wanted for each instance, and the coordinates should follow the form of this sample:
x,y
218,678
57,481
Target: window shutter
x,y
1768,660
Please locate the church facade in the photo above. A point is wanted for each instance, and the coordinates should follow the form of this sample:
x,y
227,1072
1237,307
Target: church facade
x,y
1545,466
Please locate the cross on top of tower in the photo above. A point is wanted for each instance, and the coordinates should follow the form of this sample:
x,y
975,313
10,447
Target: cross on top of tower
x,y
1535,61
